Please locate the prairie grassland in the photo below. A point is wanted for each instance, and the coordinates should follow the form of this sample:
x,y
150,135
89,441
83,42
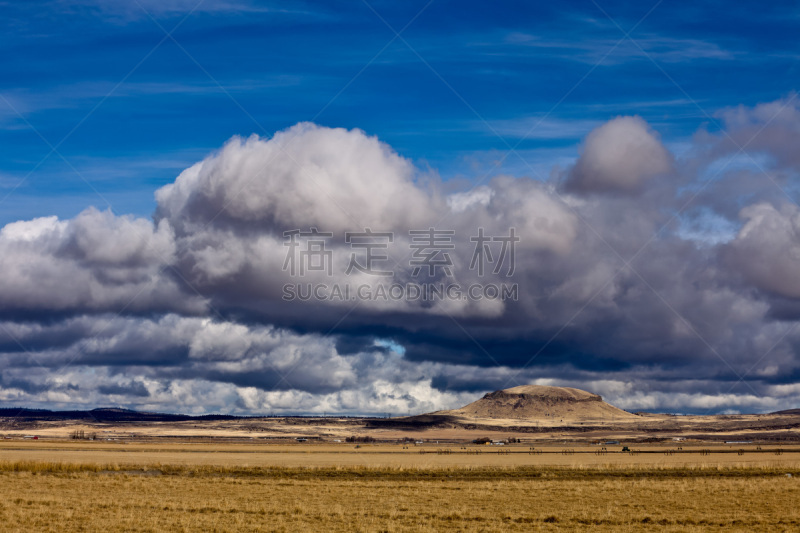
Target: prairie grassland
x,y
56,486
384,455
59,496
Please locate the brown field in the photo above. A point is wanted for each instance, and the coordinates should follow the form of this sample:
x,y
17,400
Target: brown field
x,y
258,455
205,486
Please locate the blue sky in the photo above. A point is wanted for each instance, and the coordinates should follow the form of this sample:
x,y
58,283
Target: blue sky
x,y
646,152
128,107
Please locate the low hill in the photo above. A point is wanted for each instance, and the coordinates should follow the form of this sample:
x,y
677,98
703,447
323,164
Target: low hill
x,y
787,412
538,402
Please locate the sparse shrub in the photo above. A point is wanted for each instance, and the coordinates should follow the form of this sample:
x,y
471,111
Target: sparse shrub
x,y
360,439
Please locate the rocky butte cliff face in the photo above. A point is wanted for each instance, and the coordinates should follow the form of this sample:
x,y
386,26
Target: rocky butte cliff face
x,y
533,402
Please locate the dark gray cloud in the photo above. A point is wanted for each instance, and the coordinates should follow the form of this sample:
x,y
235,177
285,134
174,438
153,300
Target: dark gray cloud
x,y
671,281
134,388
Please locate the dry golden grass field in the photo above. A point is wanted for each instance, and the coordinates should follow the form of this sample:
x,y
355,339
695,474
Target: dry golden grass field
x,y
91,486
429,455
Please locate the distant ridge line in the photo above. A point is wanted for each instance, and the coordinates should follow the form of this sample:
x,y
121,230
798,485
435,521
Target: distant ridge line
x,y
116,414
107,414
